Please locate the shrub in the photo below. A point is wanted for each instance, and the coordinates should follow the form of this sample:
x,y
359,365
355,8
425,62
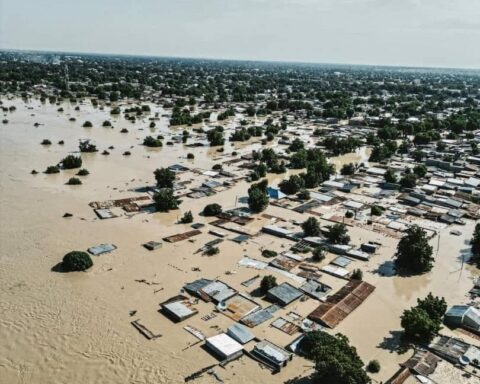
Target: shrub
x,y
357,274
269,253
304,194
375,210
87,124
76,261
187,218
52,169
124,130
318,254
373,366
149,141
46,142
212,209
83,172
86,146
71,162
74,181
349,214
267,283
190,156
106,123
212,251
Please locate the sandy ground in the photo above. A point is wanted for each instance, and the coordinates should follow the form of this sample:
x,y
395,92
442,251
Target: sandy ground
x,y
75,328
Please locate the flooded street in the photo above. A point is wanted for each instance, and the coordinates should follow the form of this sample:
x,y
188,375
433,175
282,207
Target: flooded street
x,y
74,328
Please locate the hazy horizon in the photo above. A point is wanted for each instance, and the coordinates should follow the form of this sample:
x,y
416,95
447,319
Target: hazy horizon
x,y
407,33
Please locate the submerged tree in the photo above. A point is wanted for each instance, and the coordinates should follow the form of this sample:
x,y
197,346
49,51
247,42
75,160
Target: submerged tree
x,y
258,197
76,261
338,234
165,200
311,227
164,177
414,254
267,283
422,322
336,361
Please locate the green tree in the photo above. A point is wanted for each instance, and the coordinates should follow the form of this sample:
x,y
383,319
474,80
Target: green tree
x,y
357,274
212,209
373,366
414,254
267,283
76,261
409,180
390,176
149,141
71,162
348,169
420,170
318,254
476,244
338,234
258,197
336,361
165,200
311,227
187,218
164,177
292,185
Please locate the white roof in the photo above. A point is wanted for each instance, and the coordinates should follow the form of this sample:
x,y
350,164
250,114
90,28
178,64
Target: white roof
x,y
334,270
224,344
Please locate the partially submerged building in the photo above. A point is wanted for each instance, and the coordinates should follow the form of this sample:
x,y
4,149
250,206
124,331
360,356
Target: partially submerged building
x,y
178,308
284,294
271,354
463,316
224,347
337,307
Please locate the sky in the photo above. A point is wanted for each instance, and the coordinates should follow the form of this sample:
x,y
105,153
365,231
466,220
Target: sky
x,y
426,33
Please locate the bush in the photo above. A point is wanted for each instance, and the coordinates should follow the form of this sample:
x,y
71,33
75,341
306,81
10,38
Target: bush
x,y
357,274
149,141
304,194
52,169
124,130
212,209
76,261
187,218
74,181
87,124
348,169
83,172
106,123
212,251
318,254
267,283
373,366
86,146
349,214
71,162
190,156
375,210
269,253
46,142
311,227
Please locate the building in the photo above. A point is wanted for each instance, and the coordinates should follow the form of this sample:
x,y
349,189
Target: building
x,y
271,354
224,347
284,294
463,316
178,308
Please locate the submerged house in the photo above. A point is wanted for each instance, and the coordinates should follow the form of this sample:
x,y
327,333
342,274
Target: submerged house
x,y
463,316
271,354
284,294
178,308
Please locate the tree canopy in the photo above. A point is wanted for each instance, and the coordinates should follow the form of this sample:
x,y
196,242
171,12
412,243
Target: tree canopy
x,y
414,254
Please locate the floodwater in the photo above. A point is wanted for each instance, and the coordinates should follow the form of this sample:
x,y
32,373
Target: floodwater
x,y
75,328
